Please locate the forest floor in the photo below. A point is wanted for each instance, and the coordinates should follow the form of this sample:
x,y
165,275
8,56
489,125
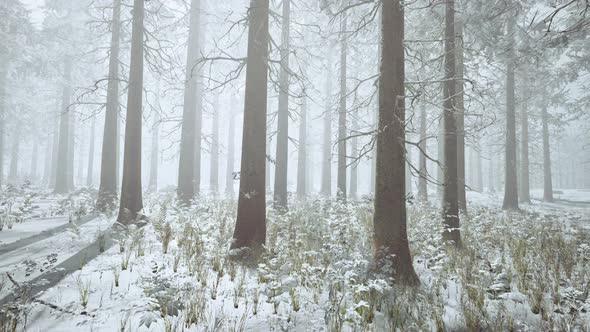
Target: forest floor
x,y
522,271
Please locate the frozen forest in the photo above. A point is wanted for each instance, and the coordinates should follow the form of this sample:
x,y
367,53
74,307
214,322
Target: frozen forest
x,y
294,165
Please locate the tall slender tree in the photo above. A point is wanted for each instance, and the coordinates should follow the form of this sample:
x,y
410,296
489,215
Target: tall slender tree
x,y
460,114
153,185
389,220
326,188
131,196
525,194
282,153
422,169
302,155
186,165
90,170
450,201
107,192
229,176
510,181
62,185
342,155
250,228
547,179
214,178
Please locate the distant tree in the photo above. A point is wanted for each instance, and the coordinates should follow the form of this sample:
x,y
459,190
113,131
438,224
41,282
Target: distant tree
x,y
214,178
250,228
342,134
422,170
547,179
131,196
302,155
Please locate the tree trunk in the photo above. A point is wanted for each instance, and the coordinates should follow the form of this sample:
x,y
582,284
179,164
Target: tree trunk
x,y
353,187
282,152
229,175
90,171
547,181
131,198
3,78
47,162
423,171
71,147
390,232
440,174
408,170
326,188
80,171
491,176
214,179
341,177
250,228
450,201
510,183
153,186
525,195
109,174
478,169
34,160
199,113
459,100
302,156
186,165
55,146
62,183
13,171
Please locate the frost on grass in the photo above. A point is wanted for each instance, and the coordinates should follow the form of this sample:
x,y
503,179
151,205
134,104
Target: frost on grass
x,y
517,271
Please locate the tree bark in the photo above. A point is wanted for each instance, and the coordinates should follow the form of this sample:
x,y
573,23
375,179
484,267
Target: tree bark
x,y
34,160
229,175
62,183
131,196
250,228
155,151
353,187
547,180
3,78
525,195
460,116
326,188
423,170
341,176
450,201
282,152
510,183
186,165
90,171
389,221
214,178
13,171
302,156
109,174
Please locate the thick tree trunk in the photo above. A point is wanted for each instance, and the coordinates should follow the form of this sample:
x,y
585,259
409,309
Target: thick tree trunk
x,y
422,181
62,182
229,175
460,116
155,149
214,178
282,152
440,173
131,196
199,112
341,176
90,171
547,181
250,228
510,182
186,165
302,155
390,233
525,195
450,201
109,174
326,188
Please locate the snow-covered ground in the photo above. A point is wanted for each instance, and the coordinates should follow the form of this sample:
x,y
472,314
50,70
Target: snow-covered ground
x,y
523,270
